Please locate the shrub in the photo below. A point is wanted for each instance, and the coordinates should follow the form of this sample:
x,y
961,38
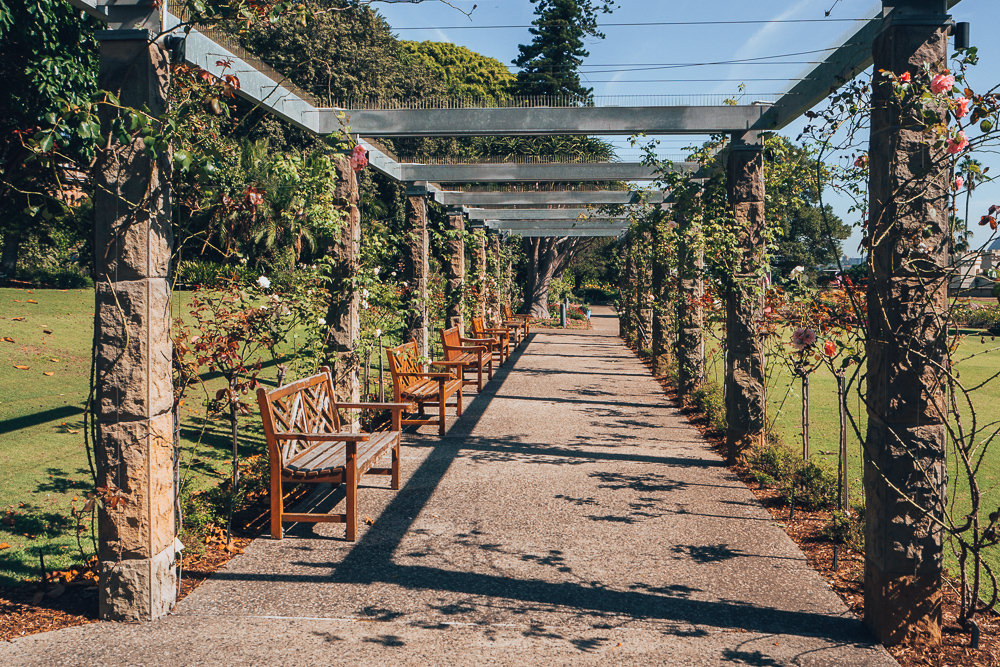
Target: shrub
x,y
812,486
209,274
709,400
59,278
846,528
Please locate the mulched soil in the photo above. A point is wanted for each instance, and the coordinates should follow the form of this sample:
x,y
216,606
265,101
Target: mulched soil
x,y
848,579
69,598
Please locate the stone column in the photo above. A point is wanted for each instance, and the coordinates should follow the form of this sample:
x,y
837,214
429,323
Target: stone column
x,y
480,262
496,280
745,407
134,448
343,316
644,292
907,299
417,270
626,292
662,324
454,270
691,337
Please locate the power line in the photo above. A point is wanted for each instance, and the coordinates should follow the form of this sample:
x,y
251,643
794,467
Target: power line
x,y
638,25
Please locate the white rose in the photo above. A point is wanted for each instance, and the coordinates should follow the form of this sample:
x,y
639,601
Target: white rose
x,y
322,321
378,333
264,282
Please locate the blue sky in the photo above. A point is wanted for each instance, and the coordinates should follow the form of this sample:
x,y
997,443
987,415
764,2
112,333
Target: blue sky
x,y
641,59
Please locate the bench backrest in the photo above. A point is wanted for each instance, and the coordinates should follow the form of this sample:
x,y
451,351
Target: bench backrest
x,y
305,406
478,328
507,313
451,340
404,358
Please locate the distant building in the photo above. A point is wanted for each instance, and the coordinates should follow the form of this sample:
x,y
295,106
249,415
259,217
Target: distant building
x,y
976,272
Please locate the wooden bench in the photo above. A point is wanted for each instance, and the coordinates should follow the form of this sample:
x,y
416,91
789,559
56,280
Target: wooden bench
x,y
477,357
413,384
500,336
517,320
305,444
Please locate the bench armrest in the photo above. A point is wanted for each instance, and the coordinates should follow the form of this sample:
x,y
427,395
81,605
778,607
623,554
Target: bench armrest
x,y
478,340
429,376
323,437
444,362
376,406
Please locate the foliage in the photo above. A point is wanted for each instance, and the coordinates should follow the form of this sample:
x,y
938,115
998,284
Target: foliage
x,y
465,73
549,64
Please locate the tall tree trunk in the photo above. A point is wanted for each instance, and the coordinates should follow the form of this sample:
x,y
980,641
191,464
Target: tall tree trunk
x,y
11,248
542,257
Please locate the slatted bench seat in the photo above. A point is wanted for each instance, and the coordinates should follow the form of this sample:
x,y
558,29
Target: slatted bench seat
x,y
477,357
413,384
305,444
516,320
500,337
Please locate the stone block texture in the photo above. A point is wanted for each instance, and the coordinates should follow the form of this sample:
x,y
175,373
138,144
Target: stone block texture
x,y
417,270
343,313
454,272
134,451
745,406
907,299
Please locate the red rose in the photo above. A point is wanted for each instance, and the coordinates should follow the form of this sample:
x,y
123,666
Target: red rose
x,y
830,349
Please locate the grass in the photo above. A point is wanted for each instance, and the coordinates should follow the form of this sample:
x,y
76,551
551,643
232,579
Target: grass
x,y
43,464
978,359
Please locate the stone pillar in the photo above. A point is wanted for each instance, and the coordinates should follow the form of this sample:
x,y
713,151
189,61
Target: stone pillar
x,y
496,280
907,301
417,270
626,289
454,270
343,316
644,292
745,407
691,337
480,263
662,321
134,448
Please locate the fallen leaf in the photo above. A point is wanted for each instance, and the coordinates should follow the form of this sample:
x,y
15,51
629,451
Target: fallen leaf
x,y
17,301
49,373
73,431
53,359
48,331
16,319
31,301
369,520
8,339
21,368
4,545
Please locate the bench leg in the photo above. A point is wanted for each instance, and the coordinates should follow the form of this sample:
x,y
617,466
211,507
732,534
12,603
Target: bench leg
x,y
395,464
491,366
441,402
352,497
277,502
480,368
460,401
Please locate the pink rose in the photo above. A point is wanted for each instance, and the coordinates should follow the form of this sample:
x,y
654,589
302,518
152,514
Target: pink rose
x,y
904,77
861,162
962,107
942,83
959,182
957,143
359,158
803,338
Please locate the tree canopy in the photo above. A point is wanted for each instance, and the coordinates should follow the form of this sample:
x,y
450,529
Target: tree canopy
x,y
463,72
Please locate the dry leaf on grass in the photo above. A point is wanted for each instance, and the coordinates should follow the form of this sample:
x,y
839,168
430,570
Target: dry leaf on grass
x,y
8,339
31,301
21,368
50,373
53,359
16,319
4,545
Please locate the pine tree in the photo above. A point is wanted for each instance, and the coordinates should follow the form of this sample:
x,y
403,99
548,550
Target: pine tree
x,y
550,63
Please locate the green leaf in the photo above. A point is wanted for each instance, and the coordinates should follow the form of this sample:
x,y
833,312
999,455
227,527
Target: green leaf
x,y
986,125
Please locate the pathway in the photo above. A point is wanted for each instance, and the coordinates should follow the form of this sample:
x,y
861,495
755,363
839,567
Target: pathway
x,y
571,517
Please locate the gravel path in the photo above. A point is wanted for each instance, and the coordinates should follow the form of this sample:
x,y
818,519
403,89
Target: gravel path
x,y
571,516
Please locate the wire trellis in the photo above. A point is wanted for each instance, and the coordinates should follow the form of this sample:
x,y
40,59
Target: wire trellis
x,y
558,101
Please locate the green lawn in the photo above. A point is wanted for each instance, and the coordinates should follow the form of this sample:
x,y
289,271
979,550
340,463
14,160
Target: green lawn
x,y
979,359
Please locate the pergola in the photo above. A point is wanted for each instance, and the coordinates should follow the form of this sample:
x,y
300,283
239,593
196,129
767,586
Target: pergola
x,y
134,444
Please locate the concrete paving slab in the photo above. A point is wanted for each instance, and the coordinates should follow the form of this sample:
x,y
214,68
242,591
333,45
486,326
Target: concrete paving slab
x,y
571,516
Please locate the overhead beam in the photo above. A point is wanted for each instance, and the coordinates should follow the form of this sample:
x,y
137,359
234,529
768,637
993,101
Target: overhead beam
x,y
560,198
581,214
541,172
536,121
599,223
842,65
566,233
